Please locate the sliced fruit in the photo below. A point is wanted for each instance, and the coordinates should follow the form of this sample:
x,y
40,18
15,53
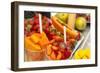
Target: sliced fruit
x,y
72,41
71,20
31,46
35,38
87,52
43,40
55,48
49,50
81,53
84,57
62,50
56,24
62,16
53,56
76,56
58,38
67,54
59,56
59,27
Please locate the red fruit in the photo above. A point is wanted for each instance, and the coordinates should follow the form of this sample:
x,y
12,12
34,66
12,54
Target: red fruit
x,y
63,57
38,30
47,31
31,21
36,27
67,54
62,50
50,37
36,21
46,26
68,44
78,36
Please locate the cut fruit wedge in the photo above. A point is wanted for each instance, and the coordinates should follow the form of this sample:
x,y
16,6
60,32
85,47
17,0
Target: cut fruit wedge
x,y
59,27
43,40
36,41
35,38
49,50
30,45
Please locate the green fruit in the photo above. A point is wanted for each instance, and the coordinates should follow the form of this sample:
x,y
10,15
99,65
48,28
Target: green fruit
x,y
80,23
62,16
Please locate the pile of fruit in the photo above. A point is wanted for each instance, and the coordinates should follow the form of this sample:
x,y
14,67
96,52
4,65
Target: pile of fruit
x,y
82,54
58,50
36,41
32,25
52,38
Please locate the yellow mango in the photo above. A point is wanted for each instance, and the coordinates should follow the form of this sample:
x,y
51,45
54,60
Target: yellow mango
x,y
87,52
43,40
81,53
84,57
76,56
30,45
35,38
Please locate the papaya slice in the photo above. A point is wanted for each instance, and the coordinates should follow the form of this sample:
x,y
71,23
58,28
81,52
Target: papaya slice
x,y
59,27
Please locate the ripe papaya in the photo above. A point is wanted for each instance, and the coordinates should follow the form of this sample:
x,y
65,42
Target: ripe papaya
x,y
71,33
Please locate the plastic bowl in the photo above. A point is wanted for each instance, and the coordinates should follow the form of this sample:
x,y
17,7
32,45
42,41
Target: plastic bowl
x,y
34,55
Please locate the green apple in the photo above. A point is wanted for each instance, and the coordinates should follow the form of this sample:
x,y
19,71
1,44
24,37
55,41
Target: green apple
x,y
62,16
80,23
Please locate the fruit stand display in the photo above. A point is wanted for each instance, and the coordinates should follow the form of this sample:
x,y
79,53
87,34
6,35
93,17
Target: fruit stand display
x,y
46,39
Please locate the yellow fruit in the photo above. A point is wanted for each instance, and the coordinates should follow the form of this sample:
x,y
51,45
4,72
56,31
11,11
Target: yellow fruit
x,y
30,45
80,23
35,38
81,53
43,40
84,57
76,57
87,52
62,16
